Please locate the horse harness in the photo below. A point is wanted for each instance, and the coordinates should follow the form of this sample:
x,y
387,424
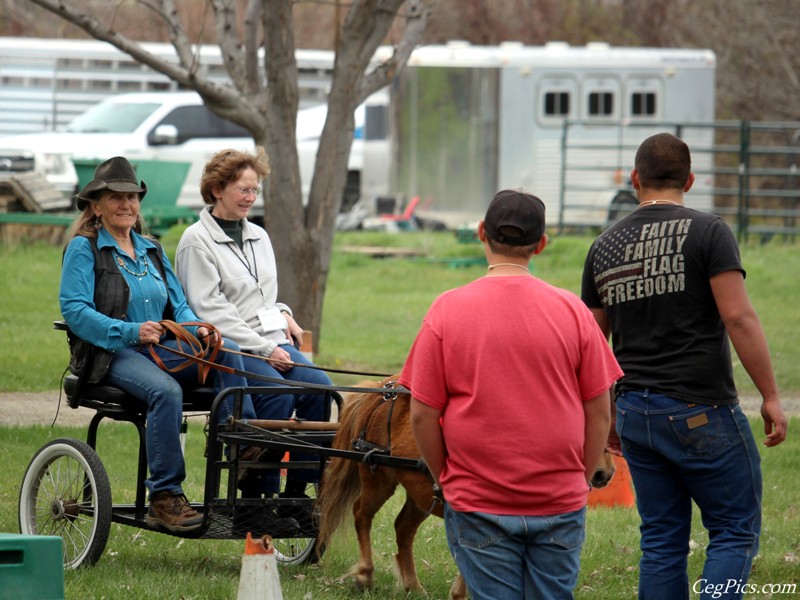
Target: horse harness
x,y
361,444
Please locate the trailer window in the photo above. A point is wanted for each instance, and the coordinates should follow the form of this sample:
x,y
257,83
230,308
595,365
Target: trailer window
x,y
556,104
643,104
97,84
69,84
601,104
129,86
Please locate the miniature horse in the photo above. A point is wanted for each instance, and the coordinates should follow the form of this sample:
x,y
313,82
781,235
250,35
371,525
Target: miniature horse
x,y
383,420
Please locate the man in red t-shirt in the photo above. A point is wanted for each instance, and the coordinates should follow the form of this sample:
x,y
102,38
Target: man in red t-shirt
x,y
510,380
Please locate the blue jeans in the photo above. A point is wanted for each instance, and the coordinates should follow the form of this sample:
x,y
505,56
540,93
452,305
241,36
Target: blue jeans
x,y
134,371
311,406
679,453
509,557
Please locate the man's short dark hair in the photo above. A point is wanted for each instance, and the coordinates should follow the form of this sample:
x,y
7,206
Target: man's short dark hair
x,y
663,162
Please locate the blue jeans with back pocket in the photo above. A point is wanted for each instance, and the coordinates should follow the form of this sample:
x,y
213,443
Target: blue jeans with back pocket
x,y
516,557
679,453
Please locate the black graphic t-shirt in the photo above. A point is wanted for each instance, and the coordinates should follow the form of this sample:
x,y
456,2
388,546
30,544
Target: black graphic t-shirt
x,y
650,272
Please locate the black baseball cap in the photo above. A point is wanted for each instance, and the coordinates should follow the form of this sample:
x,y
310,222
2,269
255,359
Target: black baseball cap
x,y
515,218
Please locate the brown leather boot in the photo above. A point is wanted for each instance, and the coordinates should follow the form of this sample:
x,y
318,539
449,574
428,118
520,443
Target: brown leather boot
x,y
173,512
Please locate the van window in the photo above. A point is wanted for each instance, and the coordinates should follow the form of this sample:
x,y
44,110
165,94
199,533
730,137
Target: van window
x,y
199,122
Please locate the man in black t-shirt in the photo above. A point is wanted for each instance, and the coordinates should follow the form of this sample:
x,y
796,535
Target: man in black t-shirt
x,y
667,285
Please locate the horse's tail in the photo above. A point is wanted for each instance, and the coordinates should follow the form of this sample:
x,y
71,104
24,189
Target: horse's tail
x,y
340,483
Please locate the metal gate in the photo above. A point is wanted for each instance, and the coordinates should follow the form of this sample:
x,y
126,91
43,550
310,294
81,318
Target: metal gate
x,y
746,171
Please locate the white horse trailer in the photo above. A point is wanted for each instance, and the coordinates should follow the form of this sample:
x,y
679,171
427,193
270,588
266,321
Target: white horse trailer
x,y
563,122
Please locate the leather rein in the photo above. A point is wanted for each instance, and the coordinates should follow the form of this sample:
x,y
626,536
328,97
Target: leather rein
x,y
203,352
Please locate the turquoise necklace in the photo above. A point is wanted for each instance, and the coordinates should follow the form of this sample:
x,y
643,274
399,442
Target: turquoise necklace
x,y
121,263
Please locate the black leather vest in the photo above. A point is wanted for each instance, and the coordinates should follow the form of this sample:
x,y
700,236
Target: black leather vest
x,y
111,293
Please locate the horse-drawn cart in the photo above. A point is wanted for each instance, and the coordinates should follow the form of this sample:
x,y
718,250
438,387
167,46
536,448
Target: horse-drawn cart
x,y
66,491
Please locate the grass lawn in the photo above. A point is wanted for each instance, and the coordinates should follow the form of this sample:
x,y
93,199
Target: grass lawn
x,y
372,312
138,564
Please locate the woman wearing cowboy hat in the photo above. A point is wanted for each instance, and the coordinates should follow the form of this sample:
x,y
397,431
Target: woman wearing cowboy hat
x,y
116,286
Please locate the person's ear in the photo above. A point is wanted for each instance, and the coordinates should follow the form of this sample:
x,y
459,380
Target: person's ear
x,y
541,244
689,183
481,231
635,179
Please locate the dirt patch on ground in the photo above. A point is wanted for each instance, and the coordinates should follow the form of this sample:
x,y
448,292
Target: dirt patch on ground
x,y
42,408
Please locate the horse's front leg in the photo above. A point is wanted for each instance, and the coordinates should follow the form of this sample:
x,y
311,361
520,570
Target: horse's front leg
x,y
405,526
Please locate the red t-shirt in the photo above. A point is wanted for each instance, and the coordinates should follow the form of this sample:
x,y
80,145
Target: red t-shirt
x,y
509,362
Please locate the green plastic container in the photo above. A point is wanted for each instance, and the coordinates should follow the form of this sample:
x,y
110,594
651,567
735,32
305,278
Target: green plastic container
x,y
31,567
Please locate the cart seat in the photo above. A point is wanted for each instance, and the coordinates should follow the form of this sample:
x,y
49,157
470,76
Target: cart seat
x,y
109,398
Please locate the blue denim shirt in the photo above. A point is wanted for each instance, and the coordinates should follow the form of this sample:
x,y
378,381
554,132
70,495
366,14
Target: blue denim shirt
x,y
146,302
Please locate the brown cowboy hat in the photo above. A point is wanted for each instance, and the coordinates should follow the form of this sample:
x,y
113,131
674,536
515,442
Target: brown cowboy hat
x,y
115,174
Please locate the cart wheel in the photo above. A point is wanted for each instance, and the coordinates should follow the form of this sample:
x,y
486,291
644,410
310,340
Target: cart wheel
x,y
65,492
297,550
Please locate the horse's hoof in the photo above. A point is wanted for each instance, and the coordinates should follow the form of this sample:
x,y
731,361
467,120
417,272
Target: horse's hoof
x,y
363,583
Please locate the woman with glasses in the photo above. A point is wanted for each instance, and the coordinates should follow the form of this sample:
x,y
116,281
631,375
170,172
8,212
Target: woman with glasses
x,y
227,267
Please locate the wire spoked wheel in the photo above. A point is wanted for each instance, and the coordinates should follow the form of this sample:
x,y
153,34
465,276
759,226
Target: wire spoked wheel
x,y
300,549
65,492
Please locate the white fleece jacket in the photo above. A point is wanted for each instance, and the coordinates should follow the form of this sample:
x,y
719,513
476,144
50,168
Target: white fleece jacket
x,y
227,287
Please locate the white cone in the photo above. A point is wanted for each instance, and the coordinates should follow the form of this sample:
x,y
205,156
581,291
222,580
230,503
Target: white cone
x,y
259,576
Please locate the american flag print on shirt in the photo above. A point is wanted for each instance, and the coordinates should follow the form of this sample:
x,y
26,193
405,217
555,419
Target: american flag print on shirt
x,y
640,261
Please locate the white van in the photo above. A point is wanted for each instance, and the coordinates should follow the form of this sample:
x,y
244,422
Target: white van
x,y
168,137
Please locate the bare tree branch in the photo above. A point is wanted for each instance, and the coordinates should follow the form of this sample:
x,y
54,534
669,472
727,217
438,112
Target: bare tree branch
x,y
416,17
181,43
178,72
252,42
232,53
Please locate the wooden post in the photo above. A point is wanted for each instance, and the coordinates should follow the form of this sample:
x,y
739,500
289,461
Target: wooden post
x,y
307,345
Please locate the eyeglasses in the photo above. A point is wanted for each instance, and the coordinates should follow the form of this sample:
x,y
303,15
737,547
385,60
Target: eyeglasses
x,y
249,191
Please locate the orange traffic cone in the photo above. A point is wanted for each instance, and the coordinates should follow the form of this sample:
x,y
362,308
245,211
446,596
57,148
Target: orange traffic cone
x,y
619,492
259,576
